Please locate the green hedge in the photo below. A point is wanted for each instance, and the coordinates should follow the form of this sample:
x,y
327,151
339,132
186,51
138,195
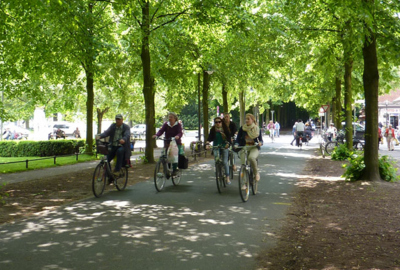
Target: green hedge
x,y
39,148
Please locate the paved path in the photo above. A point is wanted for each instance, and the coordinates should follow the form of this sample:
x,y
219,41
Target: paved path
x,y
189,226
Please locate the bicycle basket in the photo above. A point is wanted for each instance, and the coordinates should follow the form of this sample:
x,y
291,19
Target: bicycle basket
x,y
101,147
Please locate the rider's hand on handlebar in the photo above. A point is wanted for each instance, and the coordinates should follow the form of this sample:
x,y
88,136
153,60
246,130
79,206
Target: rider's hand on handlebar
x,y
154,136
207,145
227,146
235,146
176,137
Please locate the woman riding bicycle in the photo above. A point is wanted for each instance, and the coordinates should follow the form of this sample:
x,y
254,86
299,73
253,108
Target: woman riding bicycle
x,y
172,129
250,134
220,136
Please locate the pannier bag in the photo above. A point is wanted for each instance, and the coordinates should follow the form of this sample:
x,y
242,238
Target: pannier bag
x,y
183,162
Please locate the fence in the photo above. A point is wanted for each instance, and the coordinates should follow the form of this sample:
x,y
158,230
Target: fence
x,y
27,161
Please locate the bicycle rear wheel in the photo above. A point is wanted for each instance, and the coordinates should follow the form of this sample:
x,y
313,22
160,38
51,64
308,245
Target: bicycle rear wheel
x,y
330,146
159,175
244,185
177,178
219,177
122,180
99,180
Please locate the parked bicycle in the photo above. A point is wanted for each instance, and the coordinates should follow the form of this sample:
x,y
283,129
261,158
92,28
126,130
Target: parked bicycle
x,y
103,174
163,170
246,176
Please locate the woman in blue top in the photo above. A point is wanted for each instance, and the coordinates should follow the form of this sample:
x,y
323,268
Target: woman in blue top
x,y
220,135
250,134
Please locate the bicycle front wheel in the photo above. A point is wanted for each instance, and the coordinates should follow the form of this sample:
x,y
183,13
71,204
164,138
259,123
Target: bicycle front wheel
x,y
244,185
159,175
219,177
99,179
122,180
330,146
177,178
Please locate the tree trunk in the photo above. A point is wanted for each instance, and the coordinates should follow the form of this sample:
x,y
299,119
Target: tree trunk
x,y
225,98
338,103
89,90
198,104
100,116
89,112
206,85
242,107
333,110
348,98
371,86
148,83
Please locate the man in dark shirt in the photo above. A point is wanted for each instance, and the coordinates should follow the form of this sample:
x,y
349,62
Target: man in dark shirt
x,y
231,125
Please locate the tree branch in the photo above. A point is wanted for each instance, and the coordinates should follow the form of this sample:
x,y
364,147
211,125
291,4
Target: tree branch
x,y
152,17
170,21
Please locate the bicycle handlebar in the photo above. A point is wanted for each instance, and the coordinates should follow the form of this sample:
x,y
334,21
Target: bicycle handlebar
x,y
164,139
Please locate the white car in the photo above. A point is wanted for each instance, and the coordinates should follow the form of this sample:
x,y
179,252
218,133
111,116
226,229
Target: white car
x,y
67,127
138,130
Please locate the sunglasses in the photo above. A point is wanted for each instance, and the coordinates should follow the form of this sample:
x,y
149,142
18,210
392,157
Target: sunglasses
x,y
217,122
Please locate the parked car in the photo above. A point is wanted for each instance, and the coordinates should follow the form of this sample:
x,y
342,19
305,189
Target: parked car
x,y
67,127
21,133
138,130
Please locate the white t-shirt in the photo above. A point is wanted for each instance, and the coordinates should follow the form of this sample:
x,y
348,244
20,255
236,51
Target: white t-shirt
x,y
300,126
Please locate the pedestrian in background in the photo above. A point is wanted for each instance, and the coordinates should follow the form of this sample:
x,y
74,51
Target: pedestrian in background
x,y
389,134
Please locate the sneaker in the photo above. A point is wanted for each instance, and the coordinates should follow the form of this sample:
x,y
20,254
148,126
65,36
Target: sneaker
x,y
257,177
227,181
174,173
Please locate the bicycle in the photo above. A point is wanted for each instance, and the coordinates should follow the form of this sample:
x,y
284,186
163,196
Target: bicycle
x,y
272,134
103,174
163,171
246,176
219,168
332,144
231,160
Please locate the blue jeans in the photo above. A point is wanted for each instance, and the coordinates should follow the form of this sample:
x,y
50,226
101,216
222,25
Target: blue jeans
x,y
225,156
118,151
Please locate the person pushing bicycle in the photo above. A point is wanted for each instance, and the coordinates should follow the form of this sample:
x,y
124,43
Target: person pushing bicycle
x,y
120,135
250,134
220,136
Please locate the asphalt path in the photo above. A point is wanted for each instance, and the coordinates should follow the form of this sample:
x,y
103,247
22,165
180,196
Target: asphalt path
x,y
190,226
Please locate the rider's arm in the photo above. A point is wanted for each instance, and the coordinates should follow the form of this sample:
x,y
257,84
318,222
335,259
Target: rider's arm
x,y
238,137
127,134
260,139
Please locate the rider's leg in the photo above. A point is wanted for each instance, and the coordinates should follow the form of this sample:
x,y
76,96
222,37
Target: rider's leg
x,y
225,154
253,155
120,157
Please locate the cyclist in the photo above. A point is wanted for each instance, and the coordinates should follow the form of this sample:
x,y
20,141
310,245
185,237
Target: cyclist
x,y
171,128
332,131
249,134
220,135
271,128
120,135
299,130
233,131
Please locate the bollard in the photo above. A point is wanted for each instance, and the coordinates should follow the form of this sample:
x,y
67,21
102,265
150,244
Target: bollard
x,y
27,163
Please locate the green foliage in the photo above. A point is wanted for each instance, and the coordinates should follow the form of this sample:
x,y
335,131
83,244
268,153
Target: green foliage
x,y
387,169
341,152
355,169
39,148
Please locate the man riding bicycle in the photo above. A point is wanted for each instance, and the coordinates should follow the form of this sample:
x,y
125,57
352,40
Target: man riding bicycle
x,y
299,130
120,135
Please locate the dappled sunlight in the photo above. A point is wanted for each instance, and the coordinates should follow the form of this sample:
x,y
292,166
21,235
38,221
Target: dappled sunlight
x,y
303,176
300,154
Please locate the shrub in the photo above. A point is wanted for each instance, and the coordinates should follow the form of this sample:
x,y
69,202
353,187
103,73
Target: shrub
x,y
356,168
39,148
341,152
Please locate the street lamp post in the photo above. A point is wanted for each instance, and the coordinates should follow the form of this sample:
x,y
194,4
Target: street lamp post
x,y
272,115
387,114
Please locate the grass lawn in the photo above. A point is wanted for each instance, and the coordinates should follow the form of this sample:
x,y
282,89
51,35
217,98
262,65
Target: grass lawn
x,y
43,163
